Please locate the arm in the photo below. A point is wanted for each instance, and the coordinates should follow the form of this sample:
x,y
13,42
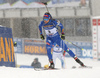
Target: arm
x,y
40,29
62,29
61,26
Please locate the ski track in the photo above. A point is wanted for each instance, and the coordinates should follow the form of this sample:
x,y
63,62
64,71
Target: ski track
x,y
26,59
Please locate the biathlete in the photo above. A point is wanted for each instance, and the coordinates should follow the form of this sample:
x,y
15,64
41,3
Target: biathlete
x,y
52,36
58,53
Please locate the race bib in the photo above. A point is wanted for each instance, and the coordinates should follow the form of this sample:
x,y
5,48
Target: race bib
x,y
51,31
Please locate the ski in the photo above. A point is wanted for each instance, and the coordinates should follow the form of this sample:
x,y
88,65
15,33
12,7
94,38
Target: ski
x,y
39,69
86,67
74,67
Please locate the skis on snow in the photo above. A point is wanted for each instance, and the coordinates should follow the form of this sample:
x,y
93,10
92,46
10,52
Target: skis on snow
x,y
73,67
39,69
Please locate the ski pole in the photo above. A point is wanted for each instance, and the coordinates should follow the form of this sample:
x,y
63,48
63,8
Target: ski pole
x,y
45,3
74,45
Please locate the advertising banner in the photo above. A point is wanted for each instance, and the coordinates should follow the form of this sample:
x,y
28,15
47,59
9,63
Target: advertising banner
x,y
34,46
96,36
85,53
7,57
99,38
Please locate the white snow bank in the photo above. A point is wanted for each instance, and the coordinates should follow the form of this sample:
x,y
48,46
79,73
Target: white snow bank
x,y
25,59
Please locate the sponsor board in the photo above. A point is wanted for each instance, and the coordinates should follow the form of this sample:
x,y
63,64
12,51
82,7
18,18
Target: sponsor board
x,y
85,53
7,57
34,47
95,22
38,47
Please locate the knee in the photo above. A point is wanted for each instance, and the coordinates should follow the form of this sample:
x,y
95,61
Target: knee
x,y
68,50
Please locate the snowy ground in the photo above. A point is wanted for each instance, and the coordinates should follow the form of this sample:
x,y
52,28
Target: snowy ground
x,y
8,72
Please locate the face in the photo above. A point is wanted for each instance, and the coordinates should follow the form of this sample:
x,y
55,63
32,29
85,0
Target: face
x,y
34,61
46,20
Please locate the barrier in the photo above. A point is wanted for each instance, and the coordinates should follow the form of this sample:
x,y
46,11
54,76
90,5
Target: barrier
x,y
85,53
38,47
7,57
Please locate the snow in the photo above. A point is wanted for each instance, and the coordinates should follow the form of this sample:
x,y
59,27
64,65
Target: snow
x,y
26,59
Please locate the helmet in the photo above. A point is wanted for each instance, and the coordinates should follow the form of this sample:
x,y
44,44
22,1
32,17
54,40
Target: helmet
x,y
47,15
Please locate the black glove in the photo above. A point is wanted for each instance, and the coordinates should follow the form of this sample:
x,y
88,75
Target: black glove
x,y
51,64
63,36
42,37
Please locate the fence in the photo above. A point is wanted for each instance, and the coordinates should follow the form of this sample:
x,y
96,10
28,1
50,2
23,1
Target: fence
x,y
37,47
28,27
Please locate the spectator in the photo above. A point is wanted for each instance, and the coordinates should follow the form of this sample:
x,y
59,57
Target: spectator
x,y
36,63
83,2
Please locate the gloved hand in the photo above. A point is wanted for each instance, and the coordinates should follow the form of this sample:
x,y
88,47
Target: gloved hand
x,y
42,37
63,36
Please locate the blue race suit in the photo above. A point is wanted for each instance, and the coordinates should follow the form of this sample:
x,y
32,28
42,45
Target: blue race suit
x,y
52,36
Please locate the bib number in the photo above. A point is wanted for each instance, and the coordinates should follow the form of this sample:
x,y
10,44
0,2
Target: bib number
x,y
51,32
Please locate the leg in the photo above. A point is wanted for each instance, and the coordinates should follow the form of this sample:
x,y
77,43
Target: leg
x,y
62,44
49,54
48,47
54,57
61,58
78,61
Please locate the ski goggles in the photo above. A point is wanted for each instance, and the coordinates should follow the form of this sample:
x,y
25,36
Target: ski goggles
x,y
45,19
